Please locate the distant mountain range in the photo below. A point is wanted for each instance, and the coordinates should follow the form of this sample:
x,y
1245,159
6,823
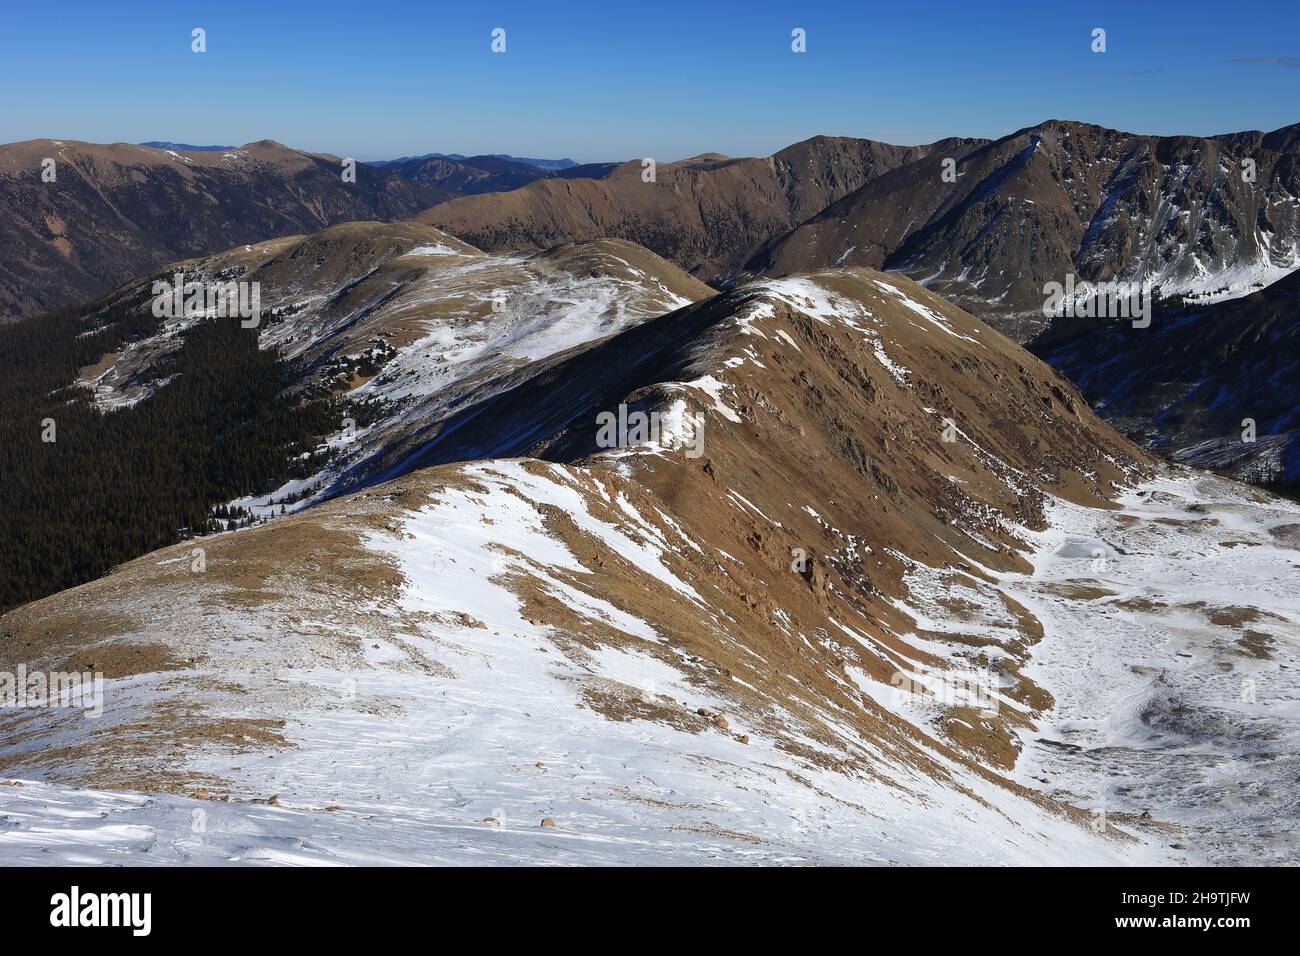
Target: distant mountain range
x,y
709,214
115,212
1068,198
527,161
473,175
985,223
185,147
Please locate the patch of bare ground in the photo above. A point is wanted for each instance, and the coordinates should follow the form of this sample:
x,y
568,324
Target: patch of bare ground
x,y
1235,616
991,741
1189,523
1257,644
87,374
629,794
1286,535
621,702
713,830
124,660
1142,604
1081,590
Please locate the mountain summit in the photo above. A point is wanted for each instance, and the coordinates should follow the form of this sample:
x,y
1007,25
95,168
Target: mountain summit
x,y
1062,198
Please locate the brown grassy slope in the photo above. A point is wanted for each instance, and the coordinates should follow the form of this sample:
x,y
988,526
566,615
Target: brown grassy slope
x,y
822,426
707,214
1061,197
117,211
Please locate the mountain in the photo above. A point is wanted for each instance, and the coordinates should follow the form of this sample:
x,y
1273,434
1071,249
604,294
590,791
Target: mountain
x,y
551,164
186,148
1190,384
838,607
707,214
543,163
1057,199
1065,197
115,212
470,175
387,327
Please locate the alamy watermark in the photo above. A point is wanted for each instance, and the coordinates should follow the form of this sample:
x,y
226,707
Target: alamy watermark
x,y
74,908
221,300
977,688
1115,299
624,429
82,690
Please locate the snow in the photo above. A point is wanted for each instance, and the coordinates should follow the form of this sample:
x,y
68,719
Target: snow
x,y
438,249
453,736
460,763
713,388
925,312
818,302
1156,697
469,337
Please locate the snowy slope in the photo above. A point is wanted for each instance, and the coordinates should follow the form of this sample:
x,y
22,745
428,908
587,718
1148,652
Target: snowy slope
x,y
438,318
1173,665
462,765
670,659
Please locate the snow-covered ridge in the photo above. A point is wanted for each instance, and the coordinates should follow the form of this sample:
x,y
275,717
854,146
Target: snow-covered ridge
x,y
639,656
470,721
440,319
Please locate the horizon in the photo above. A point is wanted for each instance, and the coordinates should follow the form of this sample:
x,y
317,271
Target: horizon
x,y
197,147
329,80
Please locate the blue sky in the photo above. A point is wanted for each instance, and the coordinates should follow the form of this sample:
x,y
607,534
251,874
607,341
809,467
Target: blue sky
x,y
615,79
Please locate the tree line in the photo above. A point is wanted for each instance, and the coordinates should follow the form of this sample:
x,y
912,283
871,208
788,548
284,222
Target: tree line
x,y
113,485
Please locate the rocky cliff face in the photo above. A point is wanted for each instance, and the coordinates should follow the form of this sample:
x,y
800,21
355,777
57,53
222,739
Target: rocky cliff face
x,y
1215,386
1067,198
707,215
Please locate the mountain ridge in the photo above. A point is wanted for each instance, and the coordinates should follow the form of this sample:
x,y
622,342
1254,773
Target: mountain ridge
x,y
1213,386
1064,198
830,608
115,211
655,593
703,213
